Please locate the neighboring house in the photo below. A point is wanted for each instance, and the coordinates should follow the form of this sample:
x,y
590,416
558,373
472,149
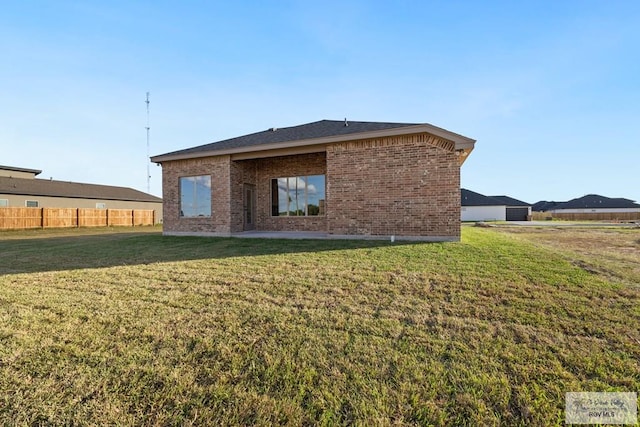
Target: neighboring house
x,y
478,207
334,178
593,203
544,206
19,187
516,210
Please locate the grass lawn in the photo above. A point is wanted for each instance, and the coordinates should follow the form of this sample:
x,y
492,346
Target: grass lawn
x,y
127,327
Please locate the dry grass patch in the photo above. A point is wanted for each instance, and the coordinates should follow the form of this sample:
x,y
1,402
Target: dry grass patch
x,y
612,252
140,329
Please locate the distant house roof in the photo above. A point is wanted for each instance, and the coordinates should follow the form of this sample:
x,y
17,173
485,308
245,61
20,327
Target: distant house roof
x,y
15,169
51,188
321,132
595,201
471,198
510,201
543,206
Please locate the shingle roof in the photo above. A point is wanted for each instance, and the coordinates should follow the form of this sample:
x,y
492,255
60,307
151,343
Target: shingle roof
x,y
543,206
510,201
595,201
306,132
471,198
45,187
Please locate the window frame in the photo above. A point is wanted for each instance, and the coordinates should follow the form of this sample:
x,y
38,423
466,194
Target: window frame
x,y
275,200
26,203
5,204
208,213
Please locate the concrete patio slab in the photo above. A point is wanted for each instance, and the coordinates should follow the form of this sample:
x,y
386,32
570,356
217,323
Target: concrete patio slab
x,y
281,235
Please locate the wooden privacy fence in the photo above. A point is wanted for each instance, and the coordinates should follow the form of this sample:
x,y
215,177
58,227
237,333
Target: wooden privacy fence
x,y
593,216
21,218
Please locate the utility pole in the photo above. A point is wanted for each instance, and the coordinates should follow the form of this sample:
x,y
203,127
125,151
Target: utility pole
x,y
148,155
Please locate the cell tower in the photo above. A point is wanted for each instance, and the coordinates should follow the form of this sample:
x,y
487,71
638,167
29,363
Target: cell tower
x,y
148,155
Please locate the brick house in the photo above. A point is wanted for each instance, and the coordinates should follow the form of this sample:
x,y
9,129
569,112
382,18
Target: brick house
x,y
335,178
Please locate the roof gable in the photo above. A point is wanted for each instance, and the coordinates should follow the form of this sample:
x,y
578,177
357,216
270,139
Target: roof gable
x,y
51,188
320,132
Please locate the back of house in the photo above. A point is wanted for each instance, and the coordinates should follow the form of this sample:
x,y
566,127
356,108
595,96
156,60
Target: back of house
x,y
341,179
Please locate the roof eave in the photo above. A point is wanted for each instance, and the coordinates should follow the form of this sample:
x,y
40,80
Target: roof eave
x,y
462,143
76,196
16,169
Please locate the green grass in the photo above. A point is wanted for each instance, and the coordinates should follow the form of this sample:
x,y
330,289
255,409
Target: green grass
x,y
122,327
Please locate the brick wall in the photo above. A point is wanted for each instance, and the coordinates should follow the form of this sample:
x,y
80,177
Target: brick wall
x,y
280,167
219,169
403,186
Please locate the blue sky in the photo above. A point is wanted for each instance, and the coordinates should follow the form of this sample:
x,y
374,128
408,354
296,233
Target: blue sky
x,y
549,89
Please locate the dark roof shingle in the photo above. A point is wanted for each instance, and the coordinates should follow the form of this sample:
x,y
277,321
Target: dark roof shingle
x,y
510,201
319,129
51,188
595,201
471,198
544,205
590,201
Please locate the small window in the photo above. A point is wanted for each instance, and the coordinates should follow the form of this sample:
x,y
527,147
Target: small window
x,y
195,196
298,196
4,203
31,203
101,205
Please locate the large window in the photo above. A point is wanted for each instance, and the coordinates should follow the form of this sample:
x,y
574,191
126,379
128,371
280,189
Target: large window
x,y
297,196
195,196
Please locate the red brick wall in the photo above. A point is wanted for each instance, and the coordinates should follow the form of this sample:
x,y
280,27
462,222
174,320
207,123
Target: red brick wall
x,y
403,186
280,167
219,169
